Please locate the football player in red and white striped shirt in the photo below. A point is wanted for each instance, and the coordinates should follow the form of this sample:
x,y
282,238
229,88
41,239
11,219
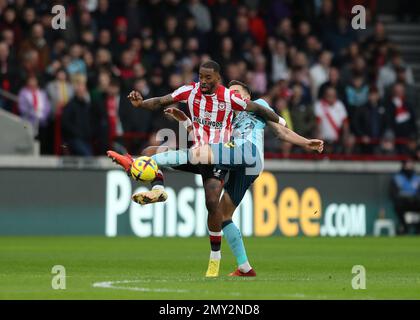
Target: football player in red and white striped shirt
x,y
211,107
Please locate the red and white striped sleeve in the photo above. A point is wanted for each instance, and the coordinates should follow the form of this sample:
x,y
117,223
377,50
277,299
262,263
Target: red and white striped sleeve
x,y
237,102
182,93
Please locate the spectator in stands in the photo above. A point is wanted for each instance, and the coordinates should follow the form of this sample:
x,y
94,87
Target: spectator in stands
x,y
276,47
326,19
401,115
35,107
333,123
357,67
201,14
405,193
60,91
226,53
120,35
283,110
136,120
333,81
357,92
125,69
302,114
8,76
303,32
103,15
388,73
37,42
257,27
319,72
77,64
8,37
107,116
77,120
279,64
10,22
242,37
412,94
370,123
313,48
259,81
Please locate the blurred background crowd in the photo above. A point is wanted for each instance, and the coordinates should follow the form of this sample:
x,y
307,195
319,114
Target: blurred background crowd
x,y
351,88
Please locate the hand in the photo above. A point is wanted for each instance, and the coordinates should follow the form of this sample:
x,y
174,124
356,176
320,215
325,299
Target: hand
x,y
315,145
176,114
135,98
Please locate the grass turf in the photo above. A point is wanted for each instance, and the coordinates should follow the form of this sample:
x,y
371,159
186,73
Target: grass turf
x,y
173,268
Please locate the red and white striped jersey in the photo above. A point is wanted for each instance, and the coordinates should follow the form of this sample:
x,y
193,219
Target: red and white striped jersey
x,y
211,114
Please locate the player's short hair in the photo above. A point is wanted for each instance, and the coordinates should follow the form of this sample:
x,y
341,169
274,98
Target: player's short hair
x,y
239,83
211,64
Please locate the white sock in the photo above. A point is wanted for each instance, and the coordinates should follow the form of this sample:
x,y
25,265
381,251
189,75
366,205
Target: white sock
x,y
215,255
158,187
245,267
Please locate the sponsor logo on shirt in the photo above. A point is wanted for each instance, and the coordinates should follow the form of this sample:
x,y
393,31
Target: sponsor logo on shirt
x,y
208,122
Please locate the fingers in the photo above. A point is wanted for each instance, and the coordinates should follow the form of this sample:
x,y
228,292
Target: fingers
x,y
134,95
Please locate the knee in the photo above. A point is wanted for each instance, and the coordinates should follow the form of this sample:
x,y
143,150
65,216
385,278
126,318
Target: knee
x,y
211,204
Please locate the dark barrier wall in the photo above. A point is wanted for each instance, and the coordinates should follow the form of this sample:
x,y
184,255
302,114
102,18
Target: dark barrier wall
x,y
97,202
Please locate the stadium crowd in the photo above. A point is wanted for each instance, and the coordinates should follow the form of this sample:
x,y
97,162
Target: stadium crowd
x,y
348,87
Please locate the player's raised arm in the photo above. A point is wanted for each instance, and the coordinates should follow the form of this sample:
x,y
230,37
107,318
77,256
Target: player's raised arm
x,y
263,112
152,104
179,95
284,133
179,116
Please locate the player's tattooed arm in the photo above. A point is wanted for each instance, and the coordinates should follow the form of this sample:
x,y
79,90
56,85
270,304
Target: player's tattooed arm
x,y
263,112
284,133
152,104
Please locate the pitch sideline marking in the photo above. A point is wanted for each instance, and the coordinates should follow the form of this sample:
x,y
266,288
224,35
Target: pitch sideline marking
x,y
114,285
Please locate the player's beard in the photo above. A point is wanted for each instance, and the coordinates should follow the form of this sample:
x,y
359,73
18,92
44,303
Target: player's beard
x,y
208,89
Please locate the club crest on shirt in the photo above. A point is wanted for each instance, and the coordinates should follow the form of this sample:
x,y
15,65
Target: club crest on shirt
x,y
222,106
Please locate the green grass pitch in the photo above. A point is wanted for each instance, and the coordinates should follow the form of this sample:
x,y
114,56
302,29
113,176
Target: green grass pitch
x,y
173,268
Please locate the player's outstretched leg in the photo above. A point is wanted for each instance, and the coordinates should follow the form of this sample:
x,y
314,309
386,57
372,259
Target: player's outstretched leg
x,y
124,161
157,194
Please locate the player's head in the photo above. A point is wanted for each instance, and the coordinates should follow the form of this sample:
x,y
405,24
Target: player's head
x,y
240,88
209,75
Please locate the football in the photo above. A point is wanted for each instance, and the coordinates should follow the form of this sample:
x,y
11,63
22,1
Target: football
x,y
144,169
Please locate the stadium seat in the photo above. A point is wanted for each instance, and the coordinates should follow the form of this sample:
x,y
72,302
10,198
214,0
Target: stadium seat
x,y
16,135
386,224
412,219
